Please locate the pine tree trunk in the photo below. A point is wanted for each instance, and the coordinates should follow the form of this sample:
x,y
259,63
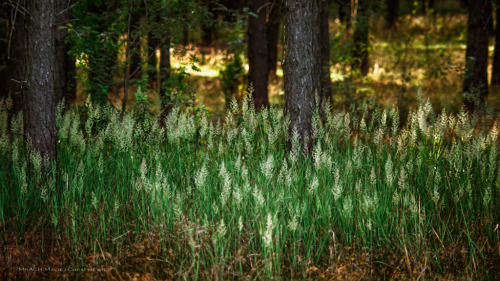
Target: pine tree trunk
x,y
344,11
164,75
153,75
39,97
392,13
257,52
475,83
185,36
207,28
135,46
360,37
326,83
301,66
273,29
495,74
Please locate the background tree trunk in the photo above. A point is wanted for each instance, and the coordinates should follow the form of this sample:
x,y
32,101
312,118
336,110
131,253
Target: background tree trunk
x,y
475,83
153,73
257,52
65,68
344,10
326,82
273,29
301,65
360,37
428,5
39,97
392,13
135,43
164,75
495,74
208,27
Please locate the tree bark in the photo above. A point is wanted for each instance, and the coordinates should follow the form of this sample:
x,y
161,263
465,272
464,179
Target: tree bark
x,y
39,97
360,37
475,84
185,36
257,52
392,13
273,29
495,74
326,82
135,44
159,76
301,66
208,31
164,75
153,73
344,10
428,5
491,29
65,69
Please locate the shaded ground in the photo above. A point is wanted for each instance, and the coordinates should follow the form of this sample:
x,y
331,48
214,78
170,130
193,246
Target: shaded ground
x,y
39,257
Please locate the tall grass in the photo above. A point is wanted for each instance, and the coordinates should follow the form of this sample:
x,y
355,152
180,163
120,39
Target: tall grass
x,y
226,198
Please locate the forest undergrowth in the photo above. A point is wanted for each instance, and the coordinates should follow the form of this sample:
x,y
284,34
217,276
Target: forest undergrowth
x,y
229,199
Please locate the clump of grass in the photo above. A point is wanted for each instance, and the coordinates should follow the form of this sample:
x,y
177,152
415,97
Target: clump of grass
x,y
221,199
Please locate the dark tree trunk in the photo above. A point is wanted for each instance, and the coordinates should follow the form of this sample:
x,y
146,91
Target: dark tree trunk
x,y
207,36
153,73
158,76
428,5
345,12
185,36
207,29
301,65
392,13
65,69
326,82
257,52
164,75
273,30
491,29
475,83
360,37
39,96
495,75
135,46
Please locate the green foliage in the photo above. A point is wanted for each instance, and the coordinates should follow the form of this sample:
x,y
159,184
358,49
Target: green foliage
x,y
177,90
231,75
99,35
233,71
